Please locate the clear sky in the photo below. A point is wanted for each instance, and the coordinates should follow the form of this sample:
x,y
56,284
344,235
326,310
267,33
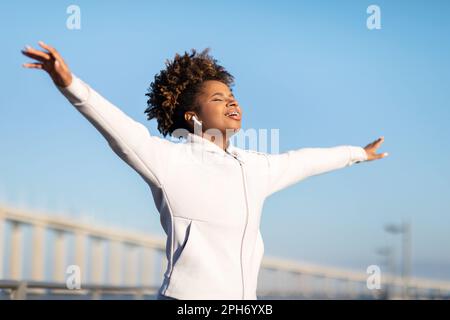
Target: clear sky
x,y
309,68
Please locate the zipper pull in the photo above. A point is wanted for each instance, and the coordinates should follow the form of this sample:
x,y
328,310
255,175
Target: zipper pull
x,y
235,155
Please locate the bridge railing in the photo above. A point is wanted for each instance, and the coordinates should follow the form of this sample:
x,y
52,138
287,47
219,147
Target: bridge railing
x,y
113,260
20,290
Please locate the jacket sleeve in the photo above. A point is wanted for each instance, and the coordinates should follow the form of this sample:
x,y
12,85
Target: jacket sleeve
x,y
287,168
129,139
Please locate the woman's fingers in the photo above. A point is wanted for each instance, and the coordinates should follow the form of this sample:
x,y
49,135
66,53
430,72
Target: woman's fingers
x,y
50,49
376,144
372,147
382,155
37,55
51,62
33,65
374,156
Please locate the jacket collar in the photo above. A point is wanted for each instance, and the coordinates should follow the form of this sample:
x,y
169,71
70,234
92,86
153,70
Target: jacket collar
x,y
205,144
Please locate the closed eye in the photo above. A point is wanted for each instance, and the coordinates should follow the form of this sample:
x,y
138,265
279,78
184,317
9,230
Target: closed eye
x,y
231,95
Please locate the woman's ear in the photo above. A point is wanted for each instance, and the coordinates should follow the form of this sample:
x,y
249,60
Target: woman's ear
x,y
188,116
192,120
191,116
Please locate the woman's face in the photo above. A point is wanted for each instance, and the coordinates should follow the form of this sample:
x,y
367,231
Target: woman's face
x,y
217,105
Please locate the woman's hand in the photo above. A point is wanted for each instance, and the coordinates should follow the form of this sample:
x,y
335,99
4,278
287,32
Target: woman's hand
x,y
50,61
371,150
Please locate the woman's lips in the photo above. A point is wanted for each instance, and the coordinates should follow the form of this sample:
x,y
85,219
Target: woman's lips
x,y
235,117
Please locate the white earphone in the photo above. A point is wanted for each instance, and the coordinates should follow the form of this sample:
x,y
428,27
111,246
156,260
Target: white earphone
x,y
194,118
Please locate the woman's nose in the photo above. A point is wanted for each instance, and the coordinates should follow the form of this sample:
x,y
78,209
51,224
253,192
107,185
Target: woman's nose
x,y
232,103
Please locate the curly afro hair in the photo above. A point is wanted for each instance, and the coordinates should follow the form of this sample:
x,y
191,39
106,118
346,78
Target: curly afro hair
x,y
174,90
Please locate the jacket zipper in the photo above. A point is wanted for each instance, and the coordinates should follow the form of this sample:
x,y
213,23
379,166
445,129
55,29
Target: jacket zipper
x,y
246,222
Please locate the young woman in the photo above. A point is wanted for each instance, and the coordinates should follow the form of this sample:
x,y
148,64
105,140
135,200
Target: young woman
x,y
209,193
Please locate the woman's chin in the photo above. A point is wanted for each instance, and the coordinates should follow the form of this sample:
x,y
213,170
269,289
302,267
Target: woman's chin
x,y
233,130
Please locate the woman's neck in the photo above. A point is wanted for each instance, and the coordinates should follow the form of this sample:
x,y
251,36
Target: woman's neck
x,y
222,142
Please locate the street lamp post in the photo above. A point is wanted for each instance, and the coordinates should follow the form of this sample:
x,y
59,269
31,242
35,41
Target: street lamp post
x,y
405,230
388,254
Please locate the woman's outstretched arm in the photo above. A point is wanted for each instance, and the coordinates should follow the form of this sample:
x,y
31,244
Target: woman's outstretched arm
x,y
290,167
127,137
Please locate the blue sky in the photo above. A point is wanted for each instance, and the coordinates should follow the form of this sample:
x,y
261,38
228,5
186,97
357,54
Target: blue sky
x,y
310,68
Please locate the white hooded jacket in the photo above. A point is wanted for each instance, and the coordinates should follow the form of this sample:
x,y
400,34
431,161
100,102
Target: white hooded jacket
x,y
210,200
